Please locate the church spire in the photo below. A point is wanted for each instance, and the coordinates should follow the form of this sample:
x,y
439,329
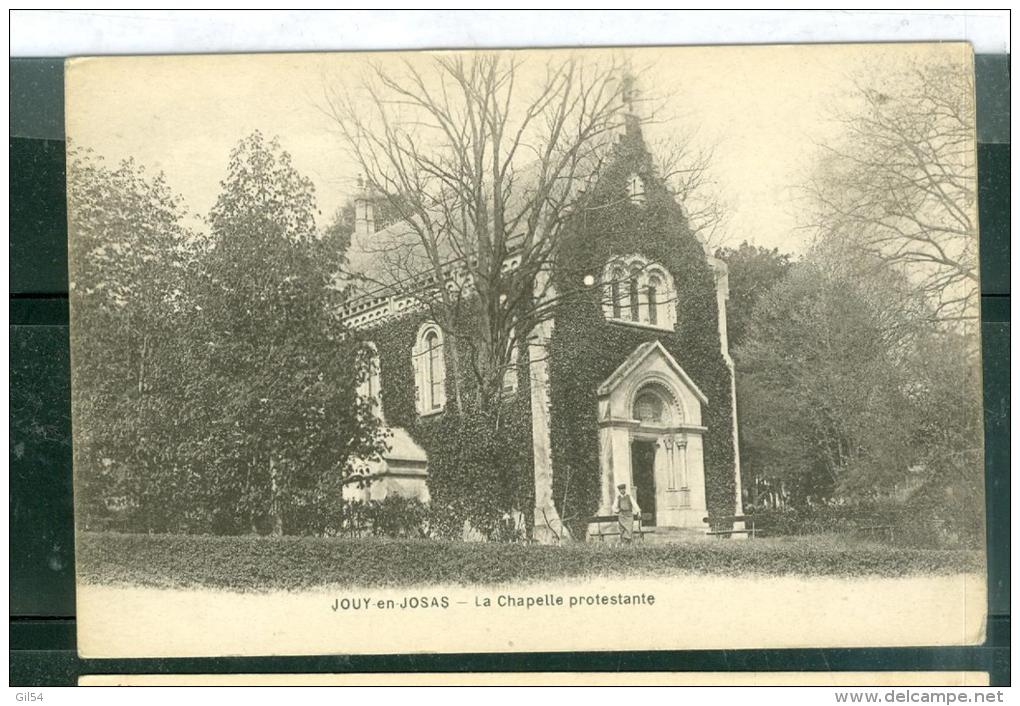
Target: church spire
x,y
630,94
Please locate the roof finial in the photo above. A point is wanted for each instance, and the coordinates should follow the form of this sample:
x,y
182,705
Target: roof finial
x,y
629,91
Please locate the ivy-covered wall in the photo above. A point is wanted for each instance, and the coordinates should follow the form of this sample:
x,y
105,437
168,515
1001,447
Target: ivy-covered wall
x,y
474,474
477,475
585,348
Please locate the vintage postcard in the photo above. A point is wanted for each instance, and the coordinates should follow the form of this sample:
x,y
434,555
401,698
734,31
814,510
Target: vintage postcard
x,y
614,349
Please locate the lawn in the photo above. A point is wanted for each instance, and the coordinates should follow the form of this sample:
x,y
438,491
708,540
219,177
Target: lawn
x,y
293,563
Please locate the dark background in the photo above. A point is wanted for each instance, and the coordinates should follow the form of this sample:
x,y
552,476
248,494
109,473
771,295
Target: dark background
x,y
42,626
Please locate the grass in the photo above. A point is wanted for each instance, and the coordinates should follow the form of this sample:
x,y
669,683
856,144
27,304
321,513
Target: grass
x,y
292,563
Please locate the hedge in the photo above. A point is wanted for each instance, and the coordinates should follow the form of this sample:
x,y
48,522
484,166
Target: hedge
x,y
268,563
908,523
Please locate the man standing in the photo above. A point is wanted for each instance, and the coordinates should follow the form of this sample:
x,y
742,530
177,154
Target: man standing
x,y
626,508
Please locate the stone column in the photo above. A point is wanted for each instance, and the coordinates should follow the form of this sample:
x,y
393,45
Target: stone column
x,y
608,481
620,436
738,494
668,461
681,462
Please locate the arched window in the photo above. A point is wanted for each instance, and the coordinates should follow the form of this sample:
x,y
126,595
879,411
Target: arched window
x,y
510,372
434,355
636,189
635,312
654,285
640,292
430,370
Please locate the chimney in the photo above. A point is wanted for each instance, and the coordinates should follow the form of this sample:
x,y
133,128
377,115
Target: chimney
x,y
364,211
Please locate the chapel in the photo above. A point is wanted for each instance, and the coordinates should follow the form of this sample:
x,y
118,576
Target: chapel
x,y
631,383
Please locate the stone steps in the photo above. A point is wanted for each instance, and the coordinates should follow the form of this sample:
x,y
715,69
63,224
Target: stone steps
x,y
665,535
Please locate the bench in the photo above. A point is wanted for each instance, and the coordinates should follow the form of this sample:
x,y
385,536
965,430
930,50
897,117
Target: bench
x,y
614,527
749,528
882,531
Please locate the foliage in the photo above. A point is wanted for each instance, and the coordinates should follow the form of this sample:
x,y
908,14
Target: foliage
x,y
851,394
213,387
288,422
948,441
859,377
918,522
753,271
480,461
294,563
393,516
131,259
585,349
825,381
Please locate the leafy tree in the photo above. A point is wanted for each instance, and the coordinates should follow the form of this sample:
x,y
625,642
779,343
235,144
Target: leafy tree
x,y
753,272
827,370
131,258
948,439
213,388
285,422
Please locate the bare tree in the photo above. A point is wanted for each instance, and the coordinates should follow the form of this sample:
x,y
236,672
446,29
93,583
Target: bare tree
x,y
481,157
685,165
901,181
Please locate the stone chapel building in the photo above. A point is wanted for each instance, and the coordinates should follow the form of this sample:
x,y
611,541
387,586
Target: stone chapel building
x,y
631,382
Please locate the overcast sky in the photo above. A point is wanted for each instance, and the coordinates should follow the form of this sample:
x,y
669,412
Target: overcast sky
x,y
762,108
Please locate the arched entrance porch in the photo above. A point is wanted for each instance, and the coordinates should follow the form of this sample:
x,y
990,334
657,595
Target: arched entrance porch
x,y
651,438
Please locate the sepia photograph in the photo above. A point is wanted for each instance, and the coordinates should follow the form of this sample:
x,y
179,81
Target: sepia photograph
x,y
526,350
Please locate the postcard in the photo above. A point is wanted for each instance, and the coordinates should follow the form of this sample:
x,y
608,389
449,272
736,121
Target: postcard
x,y
529,350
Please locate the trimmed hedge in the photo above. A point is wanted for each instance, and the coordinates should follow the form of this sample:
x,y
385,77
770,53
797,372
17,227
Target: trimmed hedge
x,y
290,563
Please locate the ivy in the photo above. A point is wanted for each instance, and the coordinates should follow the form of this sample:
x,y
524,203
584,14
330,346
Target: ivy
x,y
585,348
477,474
480,462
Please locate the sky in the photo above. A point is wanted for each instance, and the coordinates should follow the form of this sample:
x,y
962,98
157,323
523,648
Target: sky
x,y
761,109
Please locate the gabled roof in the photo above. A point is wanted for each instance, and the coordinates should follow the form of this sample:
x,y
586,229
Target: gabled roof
x,y
637,357
388,258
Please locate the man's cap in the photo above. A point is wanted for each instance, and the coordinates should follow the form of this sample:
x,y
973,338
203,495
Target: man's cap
x,y
622,485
